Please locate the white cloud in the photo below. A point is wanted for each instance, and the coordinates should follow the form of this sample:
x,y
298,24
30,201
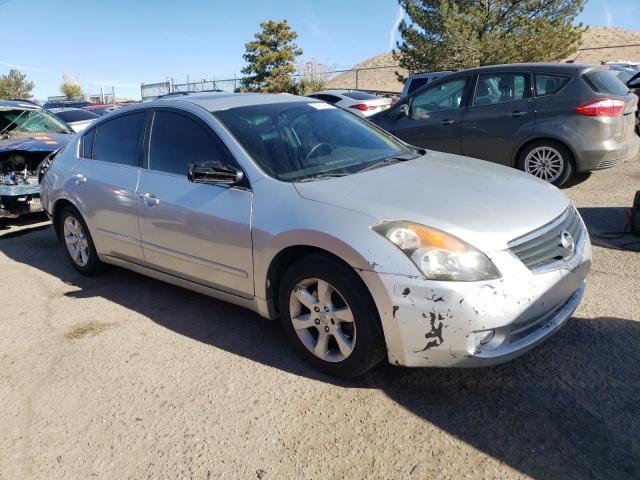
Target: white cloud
x,y
21,67
394,28
607,13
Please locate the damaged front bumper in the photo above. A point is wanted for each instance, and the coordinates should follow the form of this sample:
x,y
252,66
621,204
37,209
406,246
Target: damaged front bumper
x,y
474,324
16,200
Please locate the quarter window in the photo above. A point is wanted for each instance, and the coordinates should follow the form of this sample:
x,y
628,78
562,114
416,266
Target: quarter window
x,y
178,141
499,88
118,140
548,84
446,95
87,144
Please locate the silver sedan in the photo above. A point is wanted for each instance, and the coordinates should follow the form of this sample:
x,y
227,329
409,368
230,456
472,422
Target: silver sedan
x,y
363,246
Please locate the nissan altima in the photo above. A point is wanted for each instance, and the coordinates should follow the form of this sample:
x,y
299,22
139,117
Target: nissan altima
x,y
363,246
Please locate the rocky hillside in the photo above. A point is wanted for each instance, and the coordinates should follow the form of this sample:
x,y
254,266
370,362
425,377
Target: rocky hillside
x,y
616,40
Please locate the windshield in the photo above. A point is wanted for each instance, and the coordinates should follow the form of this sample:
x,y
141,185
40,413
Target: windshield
x,y
76,115
29,121
291,141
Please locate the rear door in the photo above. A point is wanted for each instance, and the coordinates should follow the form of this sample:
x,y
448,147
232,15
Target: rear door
x,y
195,231
104,181
434,116
500,116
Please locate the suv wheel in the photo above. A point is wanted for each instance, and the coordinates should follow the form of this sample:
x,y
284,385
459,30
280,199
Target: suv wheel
x,y
547,160
78,242
330,317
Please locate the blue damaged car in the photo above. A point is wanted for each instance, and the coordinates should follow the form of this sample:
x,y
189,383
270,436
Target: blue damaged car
x,y
28,135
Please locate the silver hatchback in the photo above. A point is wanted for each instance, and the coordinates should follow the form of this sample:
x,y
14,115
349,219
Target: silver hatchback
x,y
362,245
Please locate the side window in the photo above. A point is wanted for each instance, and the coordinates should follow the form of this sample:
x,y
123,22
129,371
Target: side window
x,y
86,147
499,88
548,84
446,95
178,141
118,140
416,83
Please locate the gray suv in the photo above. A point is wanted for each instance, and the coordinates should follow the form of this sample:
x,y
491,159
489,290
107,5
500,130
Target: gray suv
x,y
549,120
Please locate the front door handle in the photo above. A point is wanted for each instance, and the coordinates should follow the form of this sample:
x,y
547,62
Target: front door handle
x,y
79,179
149,199
447,122
519,113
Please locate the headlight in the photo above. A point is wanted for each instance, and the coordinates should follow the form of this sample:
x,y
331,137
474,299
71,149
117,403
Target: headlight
x,y
437,254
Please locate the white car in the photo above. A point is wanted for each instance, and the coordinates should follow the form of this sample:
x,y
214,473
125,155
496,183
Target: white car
x,y
362,103
77,118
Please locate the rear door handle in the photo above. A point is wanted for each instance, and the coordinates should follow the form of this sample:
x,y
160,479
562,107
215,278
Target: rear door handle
x,y
79,178
149,199
447,122
519,113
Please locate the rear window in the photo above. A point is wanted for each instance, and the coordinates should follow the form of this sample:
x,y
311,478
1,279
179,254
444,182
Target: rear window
x,y
603,81
76,115
360,95
546,84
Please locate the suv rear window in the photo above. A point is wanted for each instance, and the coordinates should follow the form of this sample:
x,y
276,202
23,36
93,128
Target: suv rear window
x,y
603,81
360,95
546,84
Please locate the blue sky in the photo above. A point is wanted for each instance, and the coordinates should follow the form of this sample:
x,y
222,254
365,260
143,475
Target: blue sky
x,y
127,42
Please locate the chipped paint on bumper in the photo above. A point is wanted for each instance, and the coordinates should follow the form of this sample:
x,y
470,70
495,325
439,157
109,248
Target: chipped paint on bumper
x,y
440,324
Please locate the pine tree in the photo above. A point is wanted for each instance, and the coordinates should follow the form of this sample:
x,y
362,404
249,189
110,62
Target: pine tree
x,y
271,59
14,86
457,34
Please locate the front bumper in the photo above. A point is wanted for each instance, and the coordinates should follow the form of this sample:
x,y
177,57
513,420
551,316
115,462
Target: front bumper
x,y
441,324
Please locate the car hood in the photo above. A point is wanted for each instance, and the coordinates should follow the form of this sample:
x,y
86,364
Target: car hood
x,y
485,204
37,142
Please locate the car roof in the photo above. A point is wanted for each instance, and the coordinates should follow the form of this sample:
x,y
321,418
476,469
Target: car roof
x,y
19,104
223,100
546,67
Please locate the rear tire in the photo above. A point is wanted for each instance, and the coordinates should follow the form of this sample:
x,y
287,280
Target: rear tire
x,y
329,317
78,244
547,160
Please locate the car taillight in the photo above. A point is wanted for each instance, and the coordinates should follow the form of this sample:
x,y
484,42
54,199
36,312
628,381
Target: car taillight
x,y
605,107
363,107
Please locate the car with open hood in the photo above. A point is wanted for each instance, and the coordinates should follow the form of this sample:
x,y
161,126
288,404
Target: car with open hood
x,y
28,134
364,246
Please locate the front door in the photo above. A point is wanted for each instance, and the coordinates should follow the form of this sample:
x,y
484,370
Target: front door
x,y
499,118
195,231
434,116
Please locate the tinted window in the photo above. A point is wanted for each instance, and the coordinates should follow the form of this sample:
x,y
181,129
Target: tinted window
x,y
295,140
178,141
604,82
548,84
416,83
76,115
359,95
446,95
87,144
499,88
118,140
327,98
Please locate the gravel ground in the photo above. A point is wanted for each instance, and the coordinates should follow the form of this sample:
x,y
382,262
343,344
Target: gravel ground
x,y
123,376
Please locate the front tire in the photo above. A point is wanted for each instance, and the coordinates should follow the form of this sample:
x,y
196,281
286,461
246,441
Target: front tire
x,y
78,243
548,160
330,318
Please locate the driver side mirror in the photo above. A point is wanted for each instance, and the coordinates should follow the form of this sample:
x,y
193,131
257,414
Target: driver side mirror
x,y
215,175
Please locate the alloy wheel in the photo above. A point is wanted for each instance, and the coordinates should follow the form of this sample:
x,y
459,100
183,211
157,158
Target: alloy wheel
x,y
322,319
544,162
76,241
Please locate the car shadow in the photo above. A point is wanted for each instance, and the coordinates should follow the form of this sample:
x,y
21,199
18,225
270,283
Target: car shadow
x,y
568,409
29,222
576,179
608,228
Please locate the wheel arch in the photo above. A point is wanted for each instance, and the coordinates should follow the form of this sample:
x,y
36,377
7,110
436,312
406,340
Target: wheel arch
x,y
526,143
58,207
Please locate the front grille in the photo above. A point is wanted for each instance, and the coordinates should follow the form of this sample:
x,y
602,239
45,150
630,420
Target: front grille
x,y
544,245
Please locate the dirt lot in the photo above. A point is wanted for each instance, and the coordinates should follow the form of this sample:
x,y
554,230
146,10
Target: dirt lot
x,y
122,376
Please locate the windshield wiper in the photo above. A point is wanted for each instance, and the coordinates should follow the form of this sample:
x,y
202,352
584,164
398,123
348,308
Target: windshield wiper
x,y
319,176
388,161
